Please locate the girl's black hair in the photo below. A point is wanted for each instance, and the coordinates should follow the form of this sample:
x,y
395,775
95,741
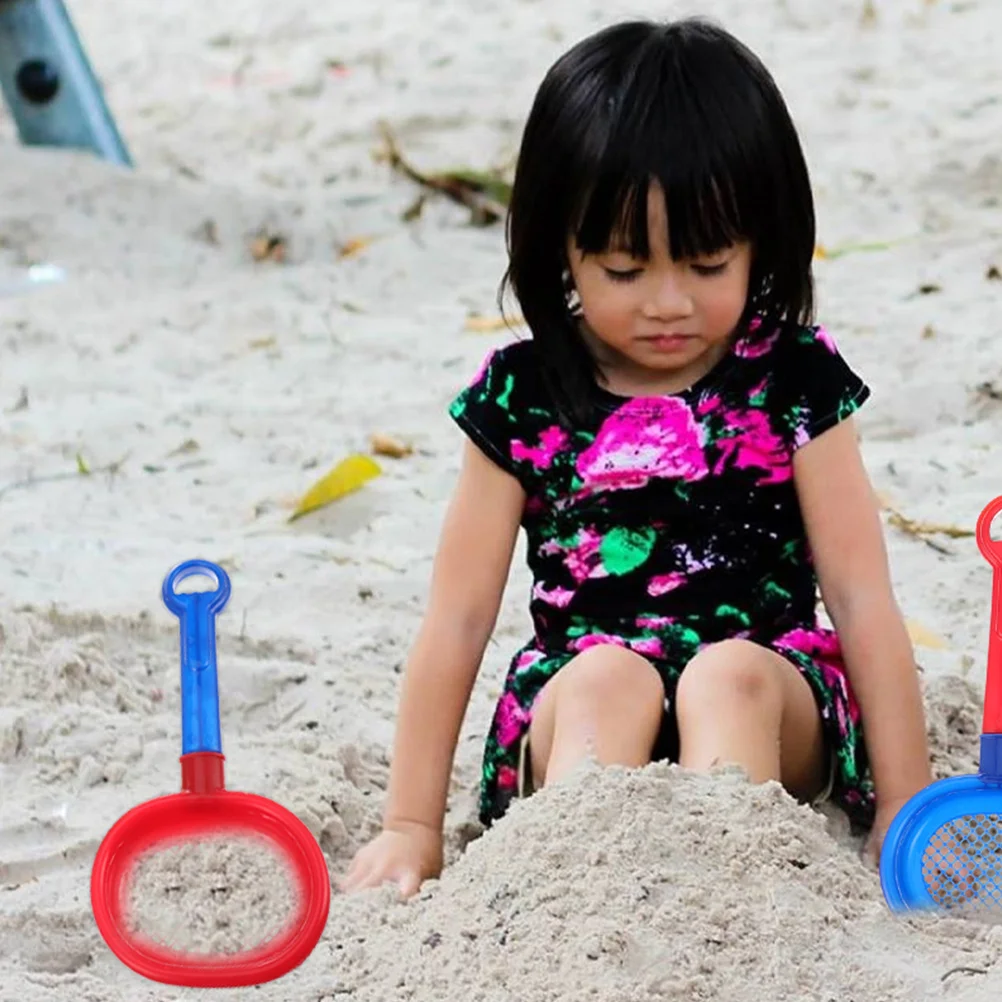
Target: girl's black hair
x,y
684,104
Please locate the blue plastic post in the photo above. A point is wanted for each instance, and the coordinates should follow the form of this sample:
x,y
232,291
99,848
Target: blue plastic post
x,y
48,84
199,682
991,758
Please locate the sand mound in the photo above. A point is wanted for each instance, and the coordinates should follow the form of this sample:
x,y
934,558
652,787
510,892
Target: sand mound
x,y
650,885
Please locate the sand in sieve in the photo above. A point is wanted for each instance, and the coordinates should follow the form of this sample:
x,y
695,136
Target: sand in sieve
x,y
221,895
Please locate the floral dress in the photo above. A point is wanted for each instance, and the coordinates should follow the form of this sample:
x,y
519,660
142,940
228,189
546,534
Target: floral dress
x,y
668,523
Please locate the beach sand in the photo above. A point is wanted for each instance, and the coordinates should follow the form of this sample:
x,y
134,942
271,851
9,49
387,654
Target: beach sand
x,y
205,391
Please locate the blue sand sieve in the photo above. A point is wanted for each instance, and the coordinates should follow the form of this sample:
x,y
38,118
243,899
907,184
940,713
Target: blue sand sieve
x,y
943,850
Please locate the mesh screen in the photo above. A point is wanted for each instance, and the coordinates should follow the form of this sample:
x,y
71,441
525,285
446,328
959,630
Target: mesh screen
x,y
962,864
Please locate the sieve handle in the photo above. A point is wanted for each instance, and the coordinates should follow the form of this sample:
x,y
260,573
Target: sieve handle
x,y
992,552
199,684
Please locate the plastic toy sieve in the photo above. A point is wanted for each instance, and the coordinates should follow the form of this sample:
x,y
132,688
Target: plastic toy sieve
x,y
943,850
206,809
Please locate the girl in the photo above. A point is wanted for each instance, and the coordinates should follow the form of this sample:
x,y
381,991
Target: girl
x,y
676,439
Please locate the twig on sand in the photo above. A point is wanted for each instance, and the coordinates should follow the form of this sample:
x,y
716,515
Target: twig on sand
x,y
923,530
485,194
963,970
81,471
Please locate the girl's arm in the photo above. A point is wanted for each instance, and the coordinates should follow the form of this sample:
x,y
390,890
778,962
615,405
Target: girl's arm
x,y
470,571
842,519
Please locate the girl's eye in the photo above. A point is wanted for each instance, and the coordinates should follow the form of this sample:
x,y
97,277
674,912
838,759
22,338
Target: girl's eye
x,y
622,276
710,269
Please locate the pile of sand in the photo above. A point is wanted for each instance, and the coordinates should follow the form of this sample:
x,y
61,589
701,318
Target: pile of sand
x,y
651,885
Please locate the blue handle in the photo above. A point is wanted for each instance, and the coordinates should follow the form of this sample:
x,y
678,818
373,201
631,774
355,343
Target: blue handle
x,y
199,684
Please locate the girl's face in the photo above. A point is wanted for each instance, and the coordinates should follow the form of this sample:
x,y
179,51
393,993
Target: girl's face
x,y
658,324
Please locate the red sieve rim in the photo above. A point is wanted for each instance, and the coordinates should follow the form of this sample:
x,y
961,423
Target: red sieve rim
x,y
183,816
992,552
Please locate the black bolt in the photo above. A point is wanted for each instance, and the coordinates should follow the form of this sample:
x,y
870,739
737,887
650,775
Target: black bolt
x,y
37,81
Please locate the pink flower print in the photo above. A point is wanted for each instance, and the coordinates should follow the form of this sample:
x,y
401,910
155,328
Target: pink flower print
x,y
754,445
557,596
507,779
595,640
708,404
654,622
751,347
645,438
583,558
817,643
551,441
824,647
821,333
512,720
650,646
843,724
664,583
527,659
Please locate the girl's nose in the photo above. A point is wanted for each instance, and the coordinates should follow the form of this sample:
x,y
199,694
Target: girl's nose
x,y
667,298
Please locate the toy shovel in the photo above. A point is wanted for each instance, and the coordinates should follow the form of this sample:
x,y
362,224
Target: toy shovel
x,y
205,809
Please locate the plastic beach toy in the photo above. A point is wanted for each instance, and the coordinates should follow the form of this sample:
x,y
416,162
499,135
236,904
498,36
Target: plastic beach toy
x,y
944,848
206,809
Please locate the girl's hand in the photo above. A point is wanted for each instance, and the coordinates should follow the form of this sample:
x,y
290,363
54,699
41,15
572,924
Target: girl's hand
x,y
886,812
406,854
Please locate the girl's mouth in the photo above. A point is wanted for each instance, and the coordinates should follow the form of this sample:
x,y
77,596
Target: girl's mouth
x,y
668,342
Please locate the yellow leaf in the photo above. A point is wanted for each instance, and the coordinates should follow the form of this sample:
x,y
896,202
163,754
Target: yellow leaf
x,y
490,325
82,467
824,253
348,476
354,246
922,636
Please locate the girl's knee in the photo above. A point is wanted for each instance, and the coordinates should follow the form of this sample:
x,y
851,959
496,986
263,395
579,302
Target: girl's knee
x,y
730,671
607,672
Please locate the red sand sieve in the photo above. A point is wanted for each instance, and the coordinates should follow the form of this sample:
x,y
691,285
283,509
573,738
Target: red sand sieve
x,y
205,809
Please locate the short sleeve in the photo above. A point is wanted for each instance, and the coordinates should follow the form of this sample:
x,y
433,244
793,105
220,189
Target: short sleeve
x,y
820,388
486,409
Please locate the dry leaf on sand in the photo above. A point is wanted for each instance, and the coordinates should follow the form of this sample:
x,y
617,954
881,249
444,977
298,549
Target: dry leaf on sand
x,y
348,476
922,636
491,325
387,445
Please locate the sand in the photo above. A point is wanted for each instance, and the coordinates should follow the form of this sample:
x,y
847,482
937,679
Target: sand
x,y
205,392
222,896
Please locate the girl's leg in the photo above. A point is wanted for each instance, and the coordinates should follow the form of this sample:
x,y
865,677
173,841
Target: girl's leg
x,y
606,702
743,704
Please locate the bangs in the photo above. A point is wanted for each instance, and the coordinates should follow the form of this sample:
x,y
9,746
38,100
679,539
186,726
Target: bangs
x,y
704,214
691,126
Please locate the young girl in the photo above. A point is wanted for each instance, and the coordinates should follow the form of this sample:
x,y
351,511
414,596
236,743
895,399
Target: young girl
x,y
677,442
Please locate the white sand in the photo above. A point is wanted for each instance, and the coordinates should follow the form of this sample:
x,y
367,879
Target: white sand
x,y
224,387
223,896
